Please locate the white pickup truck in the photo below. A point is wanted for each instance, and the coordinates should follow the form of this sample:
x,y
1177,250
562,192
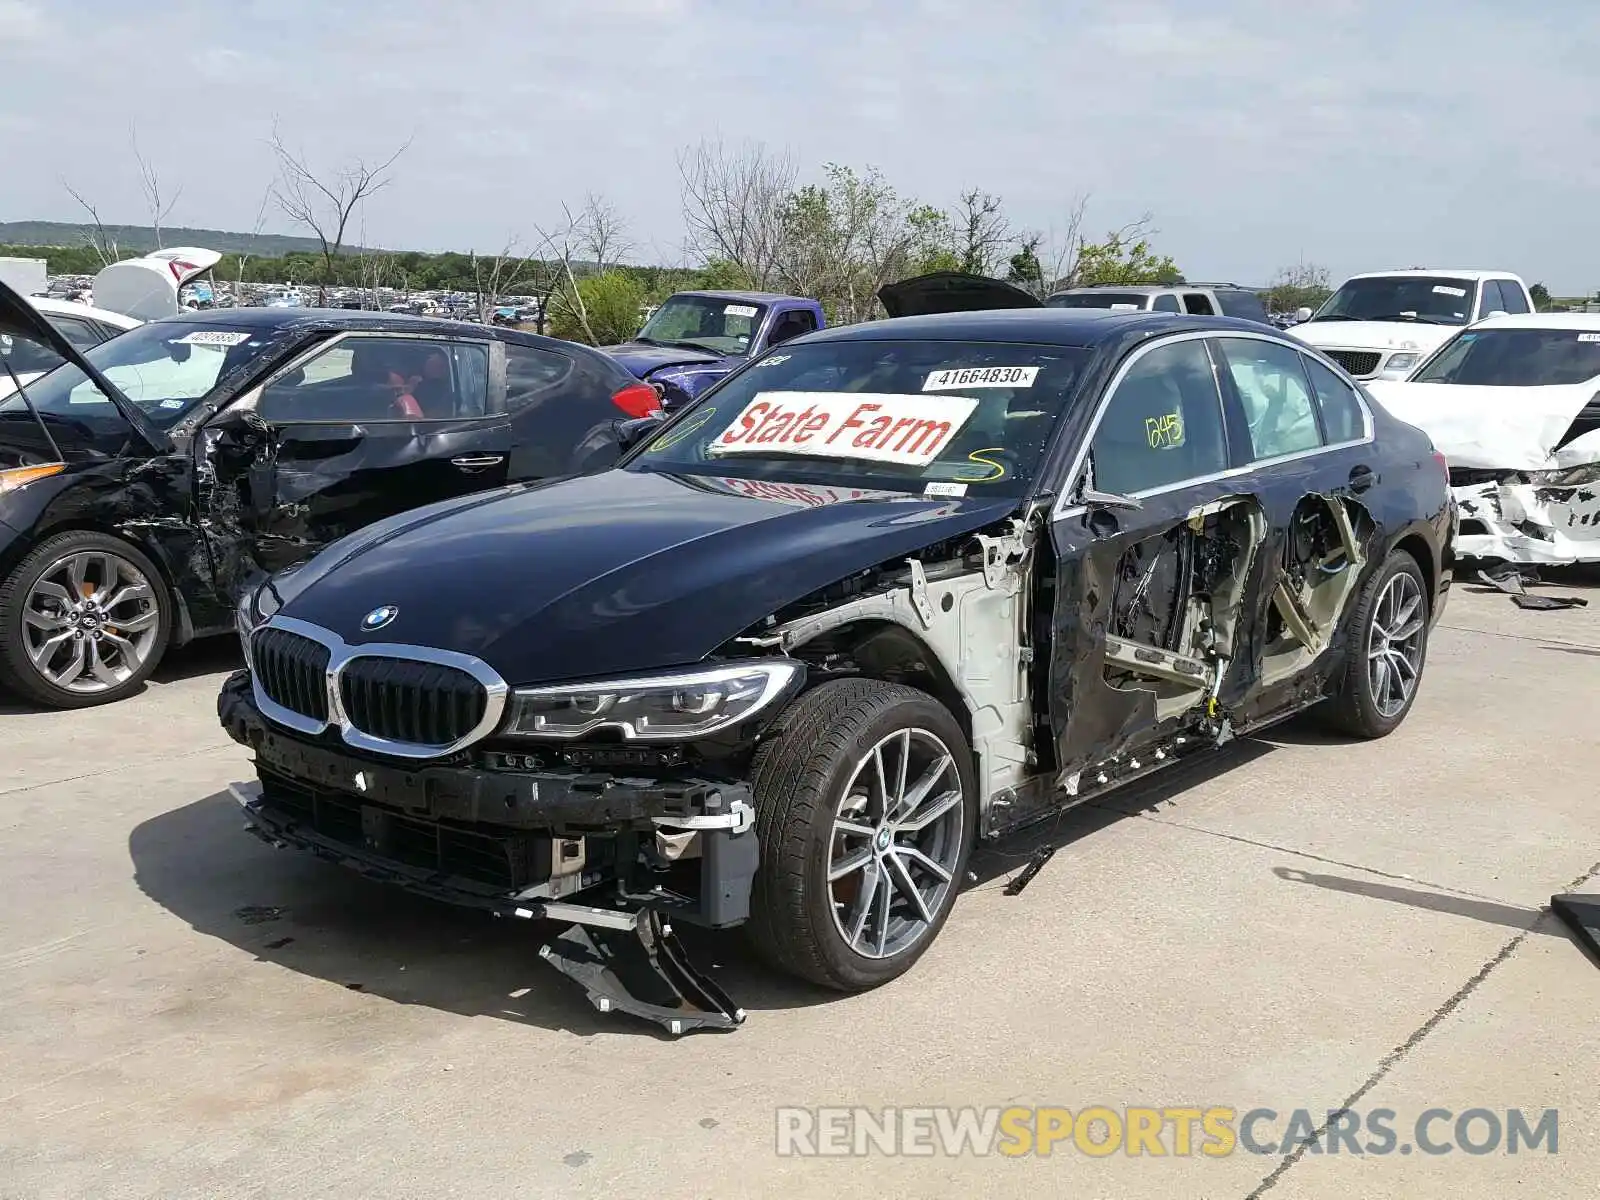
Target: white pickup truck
x,y
1382,324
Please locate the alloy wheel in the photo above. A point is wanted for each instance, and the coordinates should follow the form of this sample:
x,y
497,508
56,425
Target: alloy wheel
x,y
1394,644
90,622
896,842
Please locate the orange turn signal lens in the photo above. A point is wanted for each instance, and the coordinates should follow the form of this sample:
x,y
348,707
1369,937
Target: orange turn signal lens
x,y
17,476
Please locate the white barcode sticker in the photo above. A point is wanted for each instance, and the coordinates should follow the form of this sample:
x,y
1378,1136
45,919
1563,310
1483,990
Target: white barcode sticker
x,y
740,310
1589,337
1440,290
954,378
212,337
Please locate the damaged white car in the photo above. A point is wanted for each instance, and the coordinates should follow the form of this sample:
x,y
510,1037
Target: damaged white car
x,y
1513,403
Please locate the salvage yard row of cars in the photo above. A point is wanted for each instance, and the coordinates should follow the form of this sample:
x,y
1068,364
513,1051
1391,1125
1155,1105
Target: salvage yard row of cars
x,y
517,639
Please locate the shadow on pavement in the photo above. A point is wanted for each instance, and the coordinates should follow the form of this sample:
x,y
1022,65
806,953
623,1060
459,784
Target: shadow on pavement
x,y
1012,852
202,657
1490,912
288,908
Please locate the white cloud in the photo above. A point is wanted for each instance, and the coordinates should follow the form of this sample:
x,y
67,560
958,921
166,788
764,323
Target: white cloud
x,y
1359,133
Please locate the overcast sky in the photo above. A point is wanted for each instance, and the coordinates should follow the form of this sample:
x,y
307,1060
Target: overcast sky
x,y
1360,134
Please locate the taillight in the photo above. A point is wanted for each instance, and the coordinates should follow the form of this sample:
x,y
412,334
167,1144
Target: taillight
x,y
1444,465
637,400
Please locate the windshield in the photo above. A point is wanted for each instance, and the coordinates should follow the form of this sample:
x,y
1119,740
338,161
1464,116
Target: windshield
x,y
935,417
1125,300
164,367
704,323
1515,358
1429,299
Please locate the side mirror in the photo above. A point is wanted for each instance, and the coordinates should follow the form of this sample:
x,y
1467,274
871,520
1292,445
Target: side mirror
x,y
630,433
1499,312
1098,499
1302,313
254,421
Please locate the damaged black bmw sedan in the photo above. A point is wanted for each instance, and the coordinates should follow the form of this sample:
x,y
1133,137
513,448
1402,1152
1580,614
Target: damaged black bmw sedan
x,y
888,590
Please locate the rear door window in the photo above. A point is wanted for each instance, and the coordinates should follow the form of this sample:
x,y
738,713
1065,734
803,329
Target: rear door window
x,y
1198,304
533,374
1341,408
1272,387
1166,302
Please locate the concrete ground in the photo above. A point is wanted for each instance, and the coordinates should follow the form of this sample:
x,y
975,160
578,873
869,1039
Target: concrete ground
x,y
1302,924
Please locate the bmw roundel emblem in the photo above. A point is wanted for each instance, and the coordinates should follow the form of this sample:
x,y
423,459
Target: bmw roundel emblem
x,y
379,617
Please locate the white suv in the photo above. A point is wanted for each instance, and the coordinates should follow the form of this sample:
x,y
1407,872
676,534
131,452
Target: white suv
x,y
1382,324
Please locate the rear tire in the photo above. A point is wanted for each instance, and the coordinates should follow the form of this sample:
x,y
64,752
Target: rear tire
x,y
857,879
1387,654
84,620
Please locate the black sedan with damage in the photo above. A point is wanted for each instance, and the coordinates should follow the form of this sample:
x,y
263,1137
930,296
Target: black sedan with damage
x,y
144,484
888,590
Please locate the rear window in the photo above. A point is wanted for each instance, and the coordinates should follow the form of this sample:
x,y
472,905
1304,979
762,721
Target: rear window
x,y
938,417
1122,300
1515,358
1242,304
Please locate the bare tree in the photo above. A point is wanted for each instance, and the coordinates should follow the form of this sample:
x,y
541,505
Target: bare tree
x,y
325,205
982,232
1048,260
503,275
605,233
150,183
100,241
555,281
255,233
733,206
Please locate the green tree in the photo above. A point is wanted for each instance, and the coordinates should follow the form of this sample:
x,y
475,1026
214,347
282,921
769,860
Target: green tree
x,y
1122,260
1541,297
1304,285
605,310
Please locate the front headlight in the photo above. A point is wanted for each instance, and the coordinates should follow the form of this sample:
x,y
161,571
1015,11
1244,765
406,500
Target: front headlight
x,y
1399,364
676,706
15,477
255,606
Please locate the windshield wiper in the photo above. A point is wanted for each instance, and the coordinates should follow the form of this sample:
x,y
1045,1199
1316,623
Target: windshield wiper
x,y
1411,316
648,341
1337,317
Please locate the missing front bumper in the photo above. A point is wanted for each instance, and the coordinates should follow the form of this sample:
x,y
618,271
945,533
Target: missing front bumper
x,y
1528,523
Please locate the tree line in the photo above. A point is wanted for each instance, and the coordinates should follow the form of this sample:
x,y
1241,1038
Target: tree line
x,y
750,220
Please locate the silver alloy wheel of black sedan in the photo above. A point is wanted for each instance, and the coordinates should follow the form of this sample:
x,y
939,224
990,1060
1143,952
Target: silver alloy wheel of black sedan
x,y
1394,644
897,840
90,622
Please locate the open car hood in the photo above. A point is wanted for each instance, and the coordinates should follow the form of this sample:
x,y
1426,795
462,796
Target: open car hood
x,y
18,318
951,291
1498,428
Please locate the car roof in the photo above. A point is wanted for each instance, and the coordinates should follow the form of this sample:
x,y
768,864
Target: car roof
x,y
1579,321
1431,271
1040,326
336,319
69,308
757,297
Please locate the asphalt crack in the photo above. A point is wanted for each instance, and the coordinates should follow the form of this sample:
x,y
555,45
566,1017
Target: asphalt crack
x,y
1398,1055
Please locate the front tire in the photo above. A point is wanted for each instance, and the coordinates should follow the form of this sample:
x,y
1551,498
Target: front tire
x,y
84,619
866,811
1388,650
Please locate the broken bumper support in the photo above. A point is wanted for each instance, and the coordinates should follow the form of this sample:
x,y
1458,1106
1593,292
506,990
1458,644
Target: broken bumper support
x,y
627,960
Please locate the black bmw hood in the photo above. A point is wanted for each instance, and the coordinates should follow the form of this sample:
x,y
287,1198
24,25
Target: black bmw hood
x,y
951,291
612,573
